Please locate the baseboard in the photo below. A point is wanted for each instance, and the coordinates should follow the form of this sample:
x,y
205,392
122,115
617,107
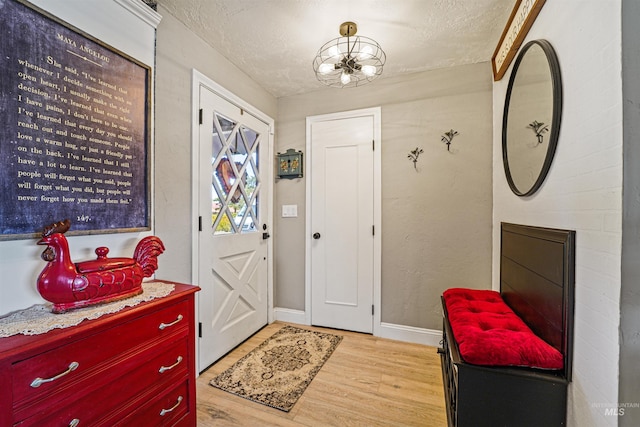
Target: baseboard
x,y
290,316
430,337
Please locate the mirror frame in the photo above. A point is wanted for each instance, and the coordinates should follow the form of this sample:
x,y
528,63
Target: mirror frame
x,y
556,81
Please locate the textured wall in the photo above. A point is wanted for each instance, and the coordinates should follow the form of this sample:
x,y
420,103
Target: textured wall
x,y
583,190
178,52
436,220
20,262
629,389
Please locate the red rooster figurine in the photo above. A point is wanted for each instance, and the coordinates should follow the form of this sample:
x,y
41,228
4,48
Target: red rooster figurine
x,y
71,285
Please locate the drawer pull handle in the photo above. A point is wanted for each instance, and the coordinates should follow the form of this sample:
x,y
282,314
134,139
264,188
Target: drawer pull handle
x,y
74,422
39,381
166,325
168,368
166,411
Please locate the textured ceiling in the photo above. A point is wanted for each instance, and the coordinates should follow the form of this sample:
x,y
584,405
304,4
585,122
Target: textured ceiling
x,y
275,41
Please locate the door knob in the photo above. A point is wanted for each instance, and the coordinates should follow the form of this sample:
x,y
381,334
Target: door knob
x,y
316,236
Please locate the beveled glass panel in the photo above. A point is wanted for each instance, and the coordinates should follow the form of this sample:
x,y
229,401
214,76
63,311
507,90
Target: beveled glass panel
x,y
217,144
223,225
226,125
236,180
222,127
216,202
239,146
237,210
226,176
251,180
250,137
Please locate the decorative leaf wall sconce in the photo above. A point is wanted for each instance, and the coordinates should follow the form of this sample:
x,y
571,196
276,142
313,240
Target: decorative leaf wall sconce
x,y
448,137
539,129
413,156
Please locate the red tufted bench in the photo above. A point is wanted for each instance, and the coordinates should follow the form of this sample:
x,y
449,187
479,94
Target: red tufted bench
x,y
489,333
507,356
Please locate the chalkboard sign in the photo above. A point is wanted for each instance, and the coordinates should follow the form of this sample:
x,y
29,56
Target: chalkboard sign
x,y
74,129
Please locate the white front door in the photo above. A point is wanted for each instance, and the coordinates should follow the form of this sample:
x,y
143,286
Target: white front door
x,y
342,229
234,164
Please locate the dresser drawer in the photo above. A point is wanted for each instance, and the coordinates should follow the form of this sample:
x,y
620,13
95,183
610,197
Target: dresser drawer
x,y
167,409
119,358
81,363
155,367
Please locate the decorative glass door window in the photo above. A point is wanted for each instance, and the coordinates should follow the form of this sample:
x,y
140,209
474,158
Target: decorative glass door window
x,y
235,178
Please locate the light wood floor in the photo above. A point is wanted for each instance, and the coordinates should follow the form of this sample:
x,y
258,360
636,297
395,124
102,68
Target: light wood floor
x,y
367,381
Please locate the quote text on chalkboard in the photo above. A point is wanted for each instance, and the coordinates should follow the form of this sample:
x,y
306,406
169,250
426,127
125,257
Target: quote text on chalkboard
x,y
74,129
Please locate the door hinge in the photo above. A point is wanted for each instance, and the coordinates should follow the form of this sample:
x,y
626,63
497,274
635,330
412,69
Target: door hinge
x,y
199,223
373,230
373,309
199,329
201,114
373,144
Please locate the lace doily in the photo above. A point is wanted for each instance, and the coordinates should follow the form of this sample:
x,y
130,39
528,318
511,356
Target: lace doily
x,y
39,319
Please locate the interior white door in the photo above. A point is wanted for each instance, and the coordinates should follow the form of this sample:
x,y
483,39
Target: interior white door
x,y
342,223
234,161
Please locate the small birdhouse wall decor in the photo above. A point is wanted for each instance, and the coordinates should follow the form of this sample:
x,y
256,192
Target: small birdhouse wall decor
x,y
290,164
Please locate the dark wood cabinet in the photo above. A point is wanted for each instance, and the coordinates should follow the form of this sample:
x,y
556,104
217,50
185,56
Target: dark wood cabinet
x,y
133,367
483,396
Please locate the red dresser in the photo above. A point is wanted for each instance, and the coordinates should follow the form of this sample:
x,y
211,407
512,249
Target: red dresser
x,y
134,367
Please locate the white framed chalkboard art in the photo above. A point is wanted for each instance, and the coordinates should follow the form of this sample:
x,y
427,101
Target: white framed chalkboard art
x,y
74,129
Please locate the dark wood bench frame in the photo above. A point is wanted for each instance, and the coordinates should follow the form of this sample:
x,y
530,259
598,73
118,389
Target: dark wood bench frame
x,y
537,280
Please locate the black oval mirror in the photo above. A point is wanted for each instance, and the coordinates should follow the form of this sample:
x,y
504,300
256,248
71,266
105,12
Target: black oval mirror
x,y
531,120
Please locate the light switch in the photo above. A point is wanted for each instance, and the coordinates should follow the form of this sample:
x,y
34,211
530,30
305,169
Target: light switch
x,y
289,211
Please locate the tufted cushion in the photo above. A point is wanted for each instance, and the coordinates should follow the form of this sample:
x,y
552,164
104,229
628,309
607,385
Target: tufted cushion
x,y
489,333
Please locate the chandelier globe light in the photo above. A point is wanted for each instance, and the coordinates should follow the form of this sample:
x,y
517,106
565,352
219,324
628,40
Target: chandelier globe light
x,y
350,60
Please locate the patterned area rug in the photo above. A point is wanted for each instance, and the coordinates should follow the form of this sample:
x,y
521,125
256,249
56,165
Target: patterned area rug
x,y
278,371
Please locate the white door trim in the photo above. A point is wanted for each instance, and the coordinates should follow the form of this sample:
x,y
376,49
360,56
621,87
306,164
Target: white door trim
x,y
376,112
199,80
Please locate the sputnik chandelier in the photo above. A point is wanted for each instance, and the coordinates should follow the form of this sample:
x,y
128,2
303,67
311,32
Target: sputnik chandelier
x,y
350,60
